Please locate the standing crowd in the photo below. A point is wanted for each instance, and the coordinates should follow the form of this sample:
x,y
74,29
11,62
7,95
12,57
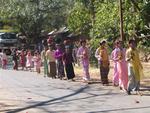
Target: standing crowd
x,y
59,63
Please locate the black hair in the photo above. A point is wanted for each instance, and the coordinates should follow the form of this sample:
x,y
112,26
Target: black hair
x,y
131,41
82,41
102,42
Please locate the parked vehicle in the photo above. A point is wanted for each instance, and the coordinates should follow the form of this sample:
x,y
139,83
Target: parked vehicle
x,y
8,41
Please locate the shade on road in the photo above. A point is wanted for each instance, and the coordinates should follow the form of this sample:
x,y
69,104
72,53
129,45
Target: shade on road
x,y
27,92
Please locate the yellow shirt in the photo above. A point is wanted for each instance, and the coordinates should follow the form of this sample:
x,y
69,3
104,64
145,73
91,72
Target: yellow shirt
x,y
50,56
104,57
132,56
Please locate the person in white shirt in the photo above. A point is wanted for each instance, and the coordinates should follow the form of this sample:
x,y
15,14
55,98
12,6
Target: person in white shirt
x,y
51,62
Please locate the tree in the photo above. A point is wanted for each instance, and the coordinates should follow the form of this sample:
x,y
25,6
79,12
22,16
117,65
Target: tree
x,y
79,19
32,16
103,20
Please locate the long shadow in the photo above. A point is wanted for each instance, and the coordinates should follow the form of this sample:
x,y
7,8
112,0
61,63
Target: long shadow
x,y
88,97
121,109
68,100
46,102
83,98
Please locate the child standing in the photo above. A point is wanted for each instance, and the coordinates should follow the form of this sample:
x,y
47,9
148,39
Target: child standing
x,y
37,62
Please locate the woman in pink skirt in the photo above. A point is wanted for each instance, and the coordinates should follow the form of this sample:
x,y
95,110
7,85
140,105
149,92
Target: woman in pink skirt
x,y
114,57
122,67
83,55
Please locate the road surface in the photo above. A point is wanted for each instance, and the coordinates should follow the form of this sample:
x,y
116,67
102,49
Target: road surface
x,y
27,92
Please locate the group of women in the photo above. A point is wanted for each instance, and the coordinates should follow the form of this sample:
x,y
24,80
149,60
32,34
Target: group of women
x,y
58,62
127,66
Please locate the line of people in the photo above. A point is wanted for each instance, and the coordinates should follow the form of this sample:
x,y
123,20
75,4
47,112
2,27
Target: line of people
x,y
53,60
127,65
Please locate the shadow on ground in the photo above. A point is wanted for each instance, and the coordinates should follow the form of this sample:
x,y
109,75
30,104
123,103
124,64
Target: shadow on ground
x,y
61,100
46,102
121,109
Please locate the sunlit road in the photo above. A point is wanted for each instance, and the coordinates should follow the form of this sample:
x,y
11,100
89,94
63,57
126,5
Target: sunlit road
x,y
27,92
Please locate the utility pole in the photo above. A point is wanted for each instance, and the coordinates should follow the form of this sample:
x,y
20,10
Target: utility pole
x,y
121,20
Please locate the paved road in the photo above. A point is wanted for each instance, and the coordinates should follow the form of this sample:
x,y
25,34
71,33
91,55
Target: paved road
x,y
27,92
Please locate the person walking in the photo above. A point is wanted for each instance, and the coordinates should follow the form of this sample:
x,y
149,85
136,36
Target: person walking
x,y
134,68
68,60
83,55
103,58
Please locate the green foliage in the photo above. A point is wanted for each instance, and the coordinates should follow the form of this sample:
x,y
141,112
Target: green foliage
x,y
95,45
79,19
33,16
104,23
146,12
98,19
106,20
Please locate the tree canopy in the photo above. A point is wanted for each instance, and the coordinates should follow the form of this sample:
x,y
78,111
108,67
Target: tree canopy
x,y
98,19
31,17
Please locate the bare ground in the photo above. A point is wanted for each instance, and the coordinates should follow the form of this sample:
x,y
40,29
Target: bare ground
x,y
94,73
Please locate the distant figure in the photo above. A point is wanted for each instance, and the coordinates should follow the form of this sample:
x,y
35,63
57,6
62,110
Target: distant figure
x,y
134,68
68,60
37,61
4,59
29,63
23,59
83,55
44,61
15,59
